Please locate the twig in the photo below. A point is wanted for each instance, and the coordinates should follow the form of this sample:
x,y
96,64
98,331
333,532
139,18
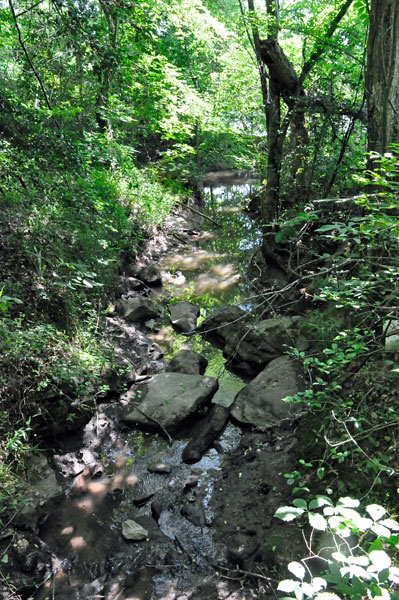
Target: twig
x,y
29,9
14,16
241,572
344,200
155,421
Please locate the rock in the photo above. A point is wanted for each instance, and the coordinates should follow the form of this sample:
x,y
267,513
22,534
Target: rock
x,y
137,309
187,361
171,399
157,506
44,492
194,512
27,565
150,275
159,468
129,284
241,547
133,531
219,326
205,432
248,344
261,403
183,316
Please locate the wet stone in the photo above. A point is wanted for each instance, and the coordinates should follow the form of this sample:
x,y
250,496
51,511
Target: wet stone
x,y
159,467
133,531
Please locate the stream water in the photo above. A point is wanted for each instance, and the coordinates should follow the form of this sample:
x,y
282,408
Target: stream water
x,y
94,561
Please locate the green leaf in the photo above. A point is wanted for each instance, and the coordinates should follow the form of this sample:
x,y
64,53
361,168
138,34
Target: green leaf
x,y
297,569
299,503
288,513
326,228
4,559
320,501
317,521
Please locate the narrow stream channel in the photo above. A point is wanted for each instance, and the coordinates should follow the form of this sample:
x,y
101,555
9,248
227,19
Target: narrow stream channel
x,y
94,561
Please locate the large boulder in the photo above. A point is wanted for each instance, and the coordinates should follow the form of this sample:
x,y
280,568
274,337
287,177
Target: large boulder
x,y
137,309
249,344
261,403
183,316
170,400
187,361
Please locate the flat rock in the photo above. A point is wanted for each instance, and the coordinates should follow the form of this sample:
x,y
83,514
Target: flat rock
x,y
183,316
133,531
171,399
261,403
136,309
187,361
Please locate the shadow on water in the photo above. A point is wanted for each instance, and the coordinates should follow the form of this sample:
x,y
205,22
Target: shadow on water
x,y
85,529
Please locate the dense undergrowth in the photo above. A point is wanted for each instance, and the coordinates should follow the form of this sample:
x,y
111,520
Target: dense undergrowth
x,y
347,262
75,209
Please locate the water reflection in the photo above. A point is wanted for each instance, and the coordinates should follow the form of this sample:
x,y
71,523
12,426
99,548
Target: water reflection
x,y
212,272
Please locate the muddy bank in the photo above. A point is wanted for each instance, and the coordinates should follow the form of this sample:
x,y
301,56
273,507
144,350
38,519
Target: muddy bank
x,y
206,528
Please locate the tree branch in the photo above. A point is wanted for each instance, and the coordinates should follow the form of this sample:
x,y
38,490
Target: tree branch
x,y
29,9
14,16
314,57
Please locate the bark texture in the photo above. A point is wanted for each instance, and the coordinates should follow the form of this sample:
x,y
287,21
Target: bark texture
x,y
382,77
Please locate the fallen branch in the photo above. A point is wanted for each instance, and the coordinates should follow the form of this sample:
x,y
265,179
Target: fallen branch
x,y
197,212
155,421
243,573
344,200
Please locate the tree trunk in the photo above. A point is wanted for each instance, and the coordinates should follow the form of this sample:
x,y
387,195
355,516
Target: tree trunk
x,y
382,76
271,198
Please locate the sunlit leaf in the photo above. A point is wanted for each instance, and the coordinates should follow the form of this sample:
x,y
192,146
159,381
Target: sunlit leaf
x,y
380,560
287,586
288,513
320,501
380,530
317,521
391,524
376,511
349,502
327,596
297,569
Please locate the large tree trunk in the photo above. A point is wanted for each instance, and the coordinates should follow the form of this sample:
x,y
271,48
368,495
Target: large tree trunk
x,y
382,77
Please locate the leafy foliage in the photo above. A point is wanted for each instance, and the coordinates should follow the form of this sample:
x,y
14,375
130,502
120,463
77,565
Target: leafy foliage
x,y
357,549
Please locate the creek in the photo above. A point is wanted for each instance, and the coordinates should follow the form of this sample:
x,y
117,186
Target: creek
x,y
188,528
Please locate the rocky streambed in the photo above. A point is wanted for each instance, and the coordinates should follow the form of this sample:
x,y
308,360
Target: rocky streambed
x,y
169,490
